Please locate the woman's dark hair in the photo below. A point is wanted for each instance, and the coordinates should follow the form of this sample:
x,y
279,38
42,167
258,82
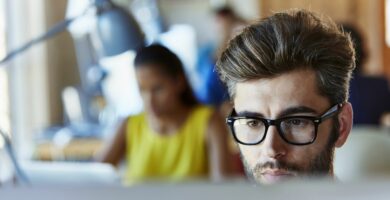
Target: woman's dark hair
x,y
168,64
225,11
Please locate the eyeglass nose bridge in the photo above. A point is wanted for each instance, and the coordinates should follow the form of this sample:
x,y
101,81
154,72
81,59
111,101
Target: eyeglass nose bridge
x,y
273,122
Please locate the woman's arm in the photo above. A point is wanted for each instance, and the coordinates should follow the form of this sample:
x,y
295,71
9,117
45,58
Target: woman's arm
x,y
114,151
218,150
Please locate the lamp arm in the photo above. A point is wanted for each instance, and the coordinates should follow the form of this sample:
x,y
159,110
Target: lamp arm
x,y
59,27
8,147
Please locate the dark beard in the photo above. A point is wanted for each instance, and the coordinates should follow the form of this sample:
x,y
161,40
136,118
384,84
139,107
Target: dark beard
x,y
320,166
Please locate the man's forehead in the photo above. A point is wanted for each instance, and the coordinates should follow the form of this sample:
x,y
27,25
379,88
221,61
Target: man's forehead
x,y
272,95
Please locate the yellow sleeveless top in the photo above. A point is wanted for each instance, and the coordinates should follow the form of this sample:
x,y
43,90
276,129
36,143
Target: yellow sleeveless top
x,y
175,157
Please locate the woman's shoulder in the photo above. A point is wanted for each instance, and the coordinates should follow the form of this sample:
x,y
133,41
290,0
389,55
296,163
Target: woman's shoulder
x,y
203,110
202,114
204,107
136,115
134,118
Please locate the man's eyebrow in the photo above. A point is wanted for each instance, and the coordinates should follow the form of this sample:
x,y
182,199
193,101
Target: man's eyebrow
x,y
249,114
284,113
297,110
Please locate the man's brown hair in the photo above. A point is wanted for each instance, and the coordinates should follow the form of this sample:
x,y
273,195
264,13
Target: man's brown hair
x,y
287,41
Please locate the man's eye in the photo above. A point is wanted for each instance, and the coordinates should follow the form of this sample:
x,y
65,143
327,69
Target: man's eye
x,y
253,123
297,122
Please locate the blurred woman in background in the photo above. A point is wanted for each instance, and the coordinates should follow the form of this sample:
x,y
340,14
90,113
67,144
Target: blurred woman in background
x,y
175,138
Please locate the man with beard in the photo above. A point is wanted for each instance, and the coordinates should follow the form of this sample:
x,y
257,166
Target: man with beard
x,y
288,78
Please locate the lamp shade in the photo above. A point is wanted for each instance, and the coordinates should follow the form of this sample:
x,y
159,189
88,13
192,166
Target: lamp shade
x,y
117,30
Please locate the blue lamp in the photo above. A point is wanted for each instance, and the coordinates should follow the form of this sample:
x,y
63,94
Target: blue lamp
x,y
117,29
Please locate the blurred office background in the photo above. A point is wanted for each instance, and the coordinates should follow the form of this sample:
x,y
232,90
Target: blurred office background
x,y
60,99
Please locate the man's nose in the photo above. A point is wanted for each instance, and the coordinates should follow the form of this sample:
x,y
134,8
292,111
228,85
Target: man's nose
x,y
273,145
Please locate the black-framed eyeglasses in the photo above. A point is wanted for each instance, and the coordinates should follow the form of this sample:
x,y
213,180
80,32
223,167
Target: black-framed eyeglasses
x,y
296,130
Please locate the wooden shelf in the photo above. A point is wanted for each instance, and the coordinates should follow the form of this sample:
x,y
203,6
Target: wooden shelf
x,y
76,150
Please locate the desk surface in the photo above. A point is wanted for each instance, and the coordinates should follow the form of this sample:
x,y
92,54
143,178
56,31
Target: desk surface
x,y
377,190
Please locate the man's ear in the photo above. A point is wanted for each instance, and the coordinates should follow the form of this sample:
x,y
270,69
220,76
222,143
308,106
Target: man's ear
x,y
345,118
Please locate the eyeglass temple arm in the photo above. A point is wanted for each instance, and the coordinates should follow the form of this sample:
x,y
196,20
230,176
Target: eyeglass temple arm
x,y
330,112
227,120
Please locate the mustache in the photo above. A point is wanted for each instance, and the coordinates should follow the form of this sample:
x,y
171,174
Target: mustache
x,y
280,165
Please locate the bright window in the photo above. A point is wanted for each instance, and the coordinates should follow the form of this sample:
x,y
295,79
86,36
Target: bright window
x,y
4,103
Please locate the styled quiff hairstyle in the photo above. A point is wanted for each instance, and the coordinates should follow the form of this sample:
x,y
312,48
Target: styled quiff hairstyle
x,y
287,41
